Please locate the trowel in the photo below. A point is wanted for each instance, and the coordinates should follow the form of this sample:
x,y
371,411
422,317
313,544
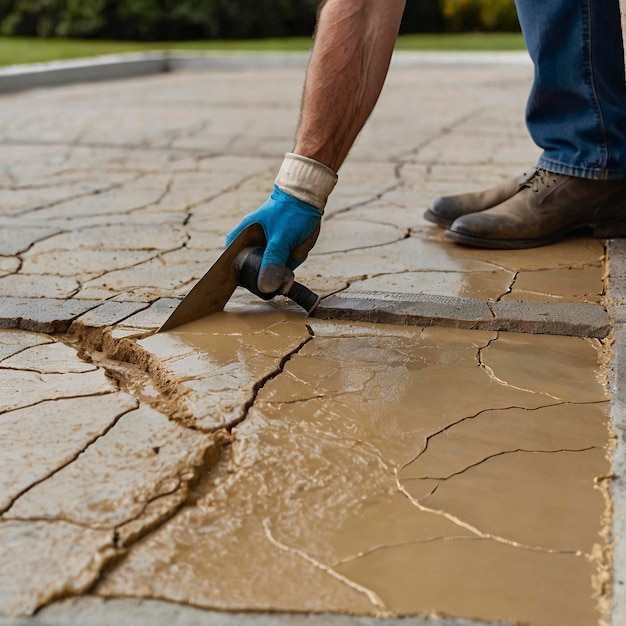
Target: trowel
x,y
238,265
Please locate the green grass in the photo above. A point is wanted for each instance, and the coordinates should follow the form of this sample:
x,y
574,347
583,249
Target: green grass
x,y
464,41
14,50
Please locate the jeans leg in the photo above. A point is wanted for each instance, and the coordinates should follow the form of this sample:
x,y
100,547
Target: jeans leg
x,y
576,110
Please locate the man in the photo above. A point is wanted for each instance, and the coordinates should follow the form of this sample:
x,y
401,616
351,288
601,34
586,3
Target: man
x,y
576,113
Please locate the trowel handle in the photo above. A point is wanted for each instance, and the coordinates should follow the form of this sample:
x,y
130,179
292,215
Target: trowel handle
x,y
248,263
303,296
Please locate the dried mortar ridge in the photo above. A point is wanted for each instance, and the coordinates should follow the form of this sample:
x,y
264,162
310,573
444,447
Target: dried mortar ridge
x,y
116,354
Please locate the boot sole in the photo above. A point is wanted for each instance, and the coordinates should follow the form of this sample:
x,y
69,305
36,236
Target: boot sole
x,y
599,230
436,219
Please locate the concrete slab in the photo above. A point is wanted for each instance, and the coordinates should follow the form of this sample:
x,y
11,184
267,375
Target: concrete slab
x,y
43,315
555,318
333,464
111,313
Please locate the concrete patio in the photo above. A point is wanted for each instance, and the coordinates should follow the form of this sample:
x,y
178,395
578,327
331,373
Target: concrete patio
x,y
441,443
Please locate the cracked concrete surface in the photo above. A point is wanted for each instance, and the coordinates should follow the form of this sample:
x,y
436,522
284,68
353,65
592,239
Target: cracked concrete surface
x,y
354,524
336,472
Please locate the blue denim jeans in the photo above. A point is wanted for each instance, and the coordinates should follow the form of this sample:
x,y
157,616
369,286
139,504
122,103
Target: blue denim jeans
x,y
576,110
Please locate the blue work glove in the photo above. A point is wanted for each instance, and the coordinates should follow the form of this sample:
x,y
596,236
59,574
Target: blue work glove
x,y
291,228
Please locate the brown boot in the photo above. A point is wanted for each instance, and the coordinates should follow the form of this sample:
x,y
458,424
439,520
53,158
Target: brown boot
x,y
548,207
445,209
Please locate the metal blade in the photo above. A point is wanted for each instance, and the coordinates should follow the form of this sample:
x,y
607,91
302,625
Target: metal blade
x,y
214,289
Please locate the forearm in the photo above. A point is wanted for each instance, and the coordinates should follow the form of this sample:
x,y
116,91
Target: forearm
x,y
351,55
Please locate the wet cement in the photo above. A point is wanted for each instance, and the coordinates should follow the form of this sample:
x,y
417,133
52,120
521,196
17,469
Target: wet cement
x,y
214,366
382,470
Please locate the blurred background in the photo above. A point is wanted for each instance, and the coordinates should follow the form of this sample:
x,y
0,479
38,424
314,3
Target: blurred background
x,y
167,20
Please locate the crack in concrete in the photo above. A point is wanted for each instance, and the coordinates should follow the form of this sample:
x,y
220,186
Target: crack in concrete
x,y
391,546
441,132
372,596
259,385
70,397
489,371
184,133
145,521
102,558
157,255
363,203
483,411
139,147
509,288
104,350
42,372
24,349
504,383
164,194
493,456
114,421
231,188
406,235
52,184
78,196
476,531
19,253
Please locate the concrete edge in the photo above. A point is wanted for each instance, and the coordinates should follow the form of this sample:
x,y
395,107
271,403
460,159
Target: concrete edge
x,y
94,611
43,315
553,318
131,65
616,252
549,318
54,74
617,486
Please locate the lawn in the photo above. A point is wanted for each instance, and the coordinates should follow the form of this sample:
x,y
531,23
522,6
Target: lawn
x,y
15,50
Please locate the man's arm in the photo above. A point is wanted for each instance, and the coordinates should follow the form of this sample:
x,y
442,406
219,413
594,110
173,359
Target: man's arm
x,y
353,46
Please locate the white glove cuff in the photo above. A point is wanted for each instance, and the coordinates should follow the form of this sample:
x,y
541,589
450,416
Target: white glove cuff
x,y
306,179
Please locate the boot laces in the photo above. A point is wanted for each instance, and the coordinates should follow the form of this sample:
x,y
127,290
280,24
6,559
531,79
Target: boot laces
x,y
541,179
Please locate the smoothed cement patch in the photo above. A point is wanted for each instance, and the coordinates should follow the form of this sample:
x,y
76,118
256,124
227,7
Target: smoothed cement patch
x,y
321,501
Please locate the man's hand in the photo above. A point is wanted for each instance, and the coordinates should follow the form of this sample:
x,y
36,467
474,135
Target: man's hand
x,y
291,217
291,228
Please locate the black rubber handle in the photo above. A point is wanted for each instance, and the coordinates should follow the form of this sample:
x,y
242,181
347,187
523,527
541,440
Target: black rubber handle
x,y
249,273
303,296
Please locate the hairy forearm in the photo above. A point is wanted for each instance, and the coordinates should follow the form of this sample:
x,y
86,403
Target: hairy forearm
x,y
353,46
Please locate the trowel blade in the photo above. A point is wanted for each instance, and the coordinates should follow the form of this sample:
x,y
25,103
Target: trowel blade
x,y
214,289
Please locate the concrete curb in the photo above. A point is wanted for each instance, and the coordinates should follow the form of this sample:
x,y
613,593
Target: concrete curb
x,y
111,67
553,318
548,318
116,67
617,389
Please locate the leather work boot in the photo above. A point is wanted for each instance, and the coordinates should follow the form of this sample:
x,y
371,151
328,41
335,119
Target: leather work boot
x,y
548,207
445,209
